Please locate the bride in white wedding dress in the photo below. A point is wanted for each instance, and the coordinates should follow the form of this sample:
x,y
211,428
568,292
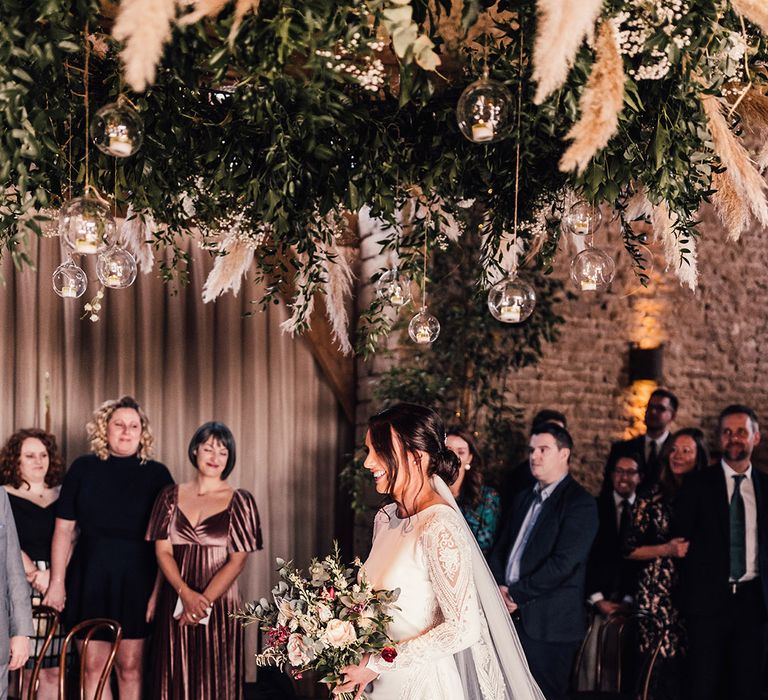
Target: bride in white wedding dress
x,y
454,638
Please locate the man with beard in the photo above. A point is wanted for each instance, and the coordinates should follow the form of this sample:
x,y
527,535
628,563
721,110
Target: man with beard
x,y
723,588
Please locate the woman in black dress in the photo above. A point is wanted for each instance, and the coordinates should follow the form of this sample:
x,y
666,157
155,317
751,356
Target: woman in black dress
x,y
108,497
31,470
649,541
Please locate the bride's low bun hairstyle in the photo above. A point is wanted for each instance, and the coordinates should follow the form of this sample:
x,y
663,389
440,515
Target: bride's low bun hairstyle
x,y
418,429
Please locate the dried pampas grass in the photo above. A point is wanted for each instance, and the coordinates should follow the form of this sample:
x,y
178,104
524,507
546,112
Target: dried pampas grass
x,y
562,26
213,8
144,27
600,103
234,260
741,186
338,290
136,235
753,110
664,230
756,11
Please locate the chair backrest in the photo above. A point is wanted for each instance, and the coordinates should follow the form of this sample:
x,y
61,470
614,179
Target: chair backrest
x,y
46,623
615,635
89,627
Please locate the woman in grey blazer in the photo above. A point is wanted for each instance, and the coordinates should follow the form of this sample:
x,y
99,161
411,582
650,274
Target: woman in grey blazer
x,y
15,609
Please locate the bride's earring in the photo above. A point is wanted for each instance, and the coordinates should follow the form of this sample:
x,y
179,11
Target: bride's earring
x,y
467,467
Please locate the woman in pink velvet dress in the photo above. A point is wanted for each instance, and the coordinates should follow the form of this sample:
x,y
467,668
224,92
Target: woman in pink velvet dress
x,y
203,531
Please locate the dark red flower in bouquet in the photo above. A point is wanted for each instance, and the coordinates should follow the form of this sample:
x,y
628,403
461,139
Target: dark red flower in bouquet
x,y
389,654
331,593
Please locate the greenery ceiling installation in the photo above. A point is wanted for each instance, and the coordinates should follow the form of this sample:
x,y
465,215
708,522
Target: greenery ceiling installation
x,y
265,122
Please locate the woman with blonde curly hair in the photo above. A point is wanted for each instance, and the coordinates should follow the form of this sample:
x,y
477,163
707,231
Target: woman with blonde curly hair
x,y
31,470
105,503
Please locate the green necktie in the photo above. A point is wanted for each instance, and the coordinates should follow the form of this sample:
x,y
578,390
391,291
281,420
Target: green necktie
x,y
738,531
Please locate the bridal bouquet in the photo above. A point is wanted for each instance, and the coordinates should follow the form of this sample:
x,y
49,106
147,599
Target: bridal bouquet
x,y
323,621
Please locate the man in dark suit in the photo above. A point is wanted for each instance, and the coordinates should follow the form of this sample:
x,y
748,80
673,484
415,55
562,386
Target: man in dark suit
x,y
659,414
519,478
723,588
540,559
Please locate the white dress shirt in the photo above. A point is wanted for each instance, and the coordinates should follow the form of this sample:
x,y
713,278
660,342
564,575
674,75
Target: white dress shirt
x,y
750,515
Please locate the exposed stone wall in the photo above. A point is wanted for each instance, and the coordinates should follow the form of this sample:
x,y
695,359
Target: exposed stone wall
x,y
713,344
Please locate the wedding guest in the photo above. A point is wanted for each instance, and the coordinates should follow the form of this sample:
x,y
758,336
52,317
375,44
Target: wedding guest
x,y
611,577
31,470
723,589
520,477
539,561
15,611
103,510
650,541
479,503
659,414
203,532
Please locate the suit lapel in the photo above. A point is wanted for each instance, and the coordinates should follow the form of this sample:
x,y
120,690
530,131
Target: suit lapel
x,y
548,507
720,505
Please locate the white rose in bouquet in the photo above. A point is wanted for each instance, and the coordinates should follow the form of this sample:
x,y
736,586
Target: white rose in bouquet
x,y
298,651
340,633
324,612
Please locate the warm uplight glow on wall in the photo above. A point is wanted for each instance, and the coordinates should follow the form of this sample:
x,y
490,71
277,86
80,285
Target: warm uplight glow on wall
x,y
635,400
647,330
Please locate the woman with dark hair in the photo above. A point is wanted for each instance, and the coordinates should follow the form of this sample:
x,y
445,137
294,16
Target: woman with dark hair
x,y
649,541
101,516
479,503
31,470
203,531
445,649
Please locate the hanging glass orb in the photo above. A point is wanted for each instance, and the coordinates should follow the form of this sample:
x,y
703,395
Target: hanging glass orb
x,y
117,130
86,225
582,218
483,111
116,268
592,270
512,300
394,287
424,327
69,281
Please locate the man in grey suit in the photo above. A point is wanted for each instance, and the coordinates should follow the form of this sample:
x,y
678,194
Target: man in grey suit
x,y
15,606
540,560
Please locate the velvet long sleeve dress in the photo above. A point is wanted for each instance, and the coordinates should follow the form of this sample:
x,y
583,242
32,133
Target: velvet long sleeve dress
x,y
201,662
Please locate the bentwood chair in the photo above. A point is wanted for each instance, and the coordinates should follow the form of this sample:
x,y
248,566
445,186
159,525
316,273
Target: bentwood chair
x,y
46,623
89,627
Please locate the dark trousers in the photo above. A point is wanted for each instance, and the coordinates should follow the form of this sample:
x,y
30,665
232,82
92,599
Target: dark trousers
x,y
550,663
726,650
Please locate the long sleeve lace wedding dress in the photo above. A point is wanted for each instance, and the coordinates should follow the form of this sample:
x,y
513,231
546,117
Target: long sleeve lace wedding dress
x,y
454,637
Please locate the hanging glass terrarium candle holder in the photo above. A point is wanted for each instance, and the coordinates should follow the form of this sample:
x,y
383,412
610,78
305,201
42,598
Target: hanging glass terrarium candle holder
x,y
86,225
117,129
512,300
394,288
116,268
592,270
69,280
424,327
582,219
483,111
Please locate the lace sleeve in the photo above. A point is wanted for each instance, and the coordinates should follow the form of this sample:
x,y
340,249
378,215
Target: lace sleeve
x,y
447,556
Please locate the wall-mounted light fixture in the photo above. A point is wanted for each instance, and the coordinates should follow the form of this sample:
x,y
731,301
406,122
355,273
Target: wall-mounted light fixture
x,y
646,363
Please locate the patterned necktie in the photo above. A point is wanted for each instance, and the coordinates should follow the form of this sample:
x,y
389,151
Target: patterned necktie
x,y
738,531
625,519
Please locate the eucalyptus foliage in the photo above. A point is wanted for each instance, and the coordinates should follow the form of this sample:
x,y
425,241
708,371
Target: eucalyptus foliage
x,y
269,126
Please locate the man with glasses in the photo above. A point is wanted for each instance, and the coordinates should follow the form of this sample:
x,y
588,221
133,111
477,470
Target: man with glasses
x,y
659,414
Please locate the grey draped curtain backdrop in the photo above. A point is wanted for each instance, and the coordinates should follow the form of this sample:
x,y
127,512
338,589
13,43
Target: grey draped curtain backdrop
x,y
186,362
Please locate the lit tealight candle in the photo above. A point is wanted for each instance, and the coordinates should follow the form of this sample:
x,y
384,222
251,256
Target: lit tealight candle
x,y
119,142
482,131
395,295
69,291
510,313
113,279
87,244
423,335
581,228
589,285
